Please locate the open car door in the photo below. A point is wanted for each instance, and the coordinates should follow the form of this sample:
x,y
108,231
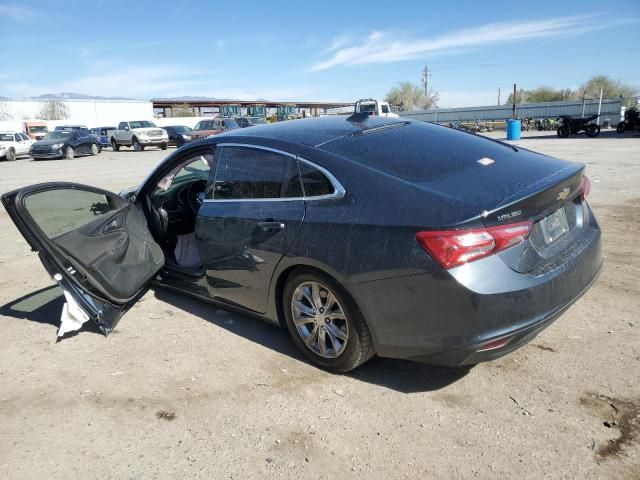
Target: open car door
x,y
93,243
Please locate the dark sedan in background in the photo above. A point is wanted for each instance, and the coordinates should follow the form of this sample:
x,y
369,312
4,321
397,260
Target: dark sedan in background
x,y
178,134
362,235
65,144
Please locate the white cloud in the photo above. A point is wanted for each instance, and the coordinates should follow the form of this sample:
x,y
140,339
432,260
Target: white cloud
x,y
385,47
110,79
17,12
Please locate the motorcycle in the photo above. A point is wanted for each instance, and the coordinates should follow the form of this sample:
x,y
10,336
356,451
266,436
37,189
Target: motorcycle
x,y
631,121
568,124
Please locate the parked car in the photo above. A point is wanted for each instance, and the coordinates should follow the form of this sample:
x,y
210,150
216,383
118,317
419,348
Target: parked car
x,y
244,122
65,144
214,126
14,145
35,129
64,128
361,235
138,135
178,134
103,134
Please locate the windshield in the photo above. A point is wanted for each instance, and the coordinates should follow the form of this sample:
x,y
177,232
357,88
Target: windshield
x,y
181,129
38,129
141,124
257,120
6,137
59,135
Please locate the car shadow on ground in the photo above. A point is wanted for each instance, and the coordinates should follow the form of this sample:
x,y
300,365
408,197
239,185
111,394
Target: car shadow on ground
x,y
45,305
42,306
400,375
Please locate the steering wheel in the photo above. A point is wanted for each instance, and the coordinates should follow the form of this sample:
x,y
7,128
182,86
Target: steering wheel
x,y
193,195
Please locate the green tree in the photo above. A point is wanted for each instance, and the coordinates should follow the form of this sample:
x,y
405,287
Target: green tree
x,y
541,94
408,96
610,88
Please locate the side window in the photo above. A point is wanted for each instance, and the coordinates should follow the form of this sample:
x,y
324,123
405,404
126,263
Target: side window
x,y
122,125
314,182
62,210
248,173
17,137
192,170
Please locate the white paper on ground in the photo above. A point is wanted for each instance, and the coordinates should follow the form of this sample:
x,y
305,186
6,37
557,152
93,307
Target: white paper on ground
x,y
73,317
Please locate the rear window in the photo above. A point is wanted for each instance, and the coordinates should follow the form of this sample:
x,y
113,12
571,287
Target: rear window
x,y
418,151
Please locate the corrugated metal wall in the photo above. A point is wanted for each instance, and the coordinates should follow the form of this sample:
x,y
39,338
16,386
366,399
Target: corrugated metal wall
x,y
610,110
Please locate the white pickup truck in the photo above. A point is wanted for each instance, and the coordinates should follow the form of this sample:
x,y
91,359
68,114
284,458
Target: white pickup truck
x,y
374,107
138,135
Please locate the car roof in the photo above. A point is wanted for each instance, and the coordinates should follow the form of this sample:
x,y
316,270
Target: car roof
x,y
316,131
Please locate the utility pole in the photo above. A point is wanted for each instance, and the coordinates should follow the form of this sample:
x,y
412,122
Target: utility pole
x,y
513,108
498,96
426,76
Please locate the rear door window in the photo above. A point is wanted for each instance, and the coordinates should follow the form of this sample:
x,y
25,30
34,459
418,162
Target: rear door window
x,y
245,173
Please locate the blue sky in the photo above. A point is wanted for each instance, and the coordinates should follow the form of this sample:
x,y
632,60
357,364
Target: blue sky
x,y
304,50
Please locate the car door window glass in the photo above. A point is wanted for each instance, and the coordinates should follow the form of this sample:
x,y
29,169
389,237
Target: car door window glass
x,y
62,210
250,173
315,183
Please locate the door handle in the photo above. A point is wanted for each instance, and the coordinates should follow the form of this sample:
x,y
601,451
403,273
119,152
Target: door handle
x,y
270,226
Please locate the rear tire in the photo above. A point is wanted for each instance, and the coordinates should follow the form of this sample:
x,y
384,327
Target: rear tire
x,y
592,130
69,153
341,329
11,154
621,127
114,145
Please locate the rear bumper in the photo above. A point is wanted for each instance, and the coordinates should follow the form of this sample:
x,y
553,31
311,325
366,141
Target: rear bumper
x,y
448,317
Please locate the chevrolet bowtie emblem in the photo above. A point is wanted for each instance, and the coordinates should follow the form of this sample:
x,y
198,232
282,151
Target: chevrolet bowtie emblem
x,y
564,193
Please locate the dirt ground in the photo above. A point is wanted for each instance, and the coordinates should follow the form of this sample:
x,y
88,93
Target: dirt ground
x,y
185,390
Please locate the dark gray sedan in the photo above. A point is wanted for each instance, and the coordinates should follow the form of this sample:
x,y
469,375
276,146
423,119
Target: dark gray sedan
x,y
361,235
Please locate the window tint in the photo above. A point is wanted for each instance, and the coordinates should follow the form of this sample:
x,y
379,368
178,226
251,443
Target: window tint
x,y
385,108
314,181
249,173
59,211
17,137
23,136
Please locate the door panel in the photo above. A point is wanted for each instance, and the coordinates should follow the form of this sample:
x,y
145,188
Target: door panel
x,y
240,256
94,243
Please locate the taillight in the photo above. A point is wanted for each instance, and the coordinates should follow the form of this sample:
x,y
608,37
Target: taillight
x,y
586,187
451,248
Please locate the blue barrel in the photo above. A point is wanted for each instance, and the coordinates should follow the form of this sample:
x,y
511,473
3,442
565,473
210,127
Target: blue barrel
x,y
514,128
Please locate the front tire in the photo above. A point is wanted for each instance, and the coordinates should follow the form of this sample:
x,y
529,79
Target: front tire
x,y
69,153
563,132
325,323
94,149
11,154
164,146
621,127
136,145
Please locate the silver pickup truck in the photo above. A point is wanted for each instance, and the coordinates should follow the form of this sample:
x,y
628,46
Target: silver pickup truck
x,y
138,135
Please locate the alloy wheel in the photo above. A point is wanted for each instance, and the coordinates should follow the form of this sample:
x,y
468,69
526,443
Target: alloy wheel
x,y
319,319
